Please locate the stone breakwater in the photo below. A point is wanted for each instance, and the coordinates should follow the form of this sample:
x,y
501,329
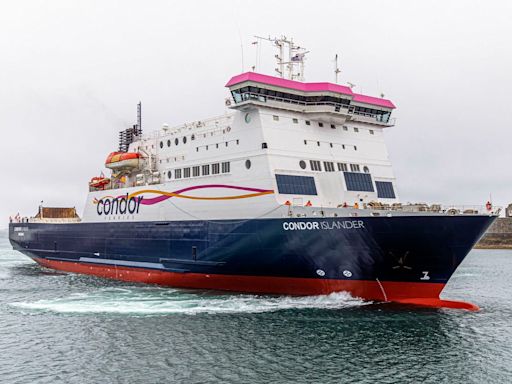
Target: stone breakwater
x,y
498,236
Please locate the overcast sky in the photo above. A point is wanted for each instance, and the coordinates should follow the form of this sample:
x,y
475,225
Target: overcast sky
x,y
71,73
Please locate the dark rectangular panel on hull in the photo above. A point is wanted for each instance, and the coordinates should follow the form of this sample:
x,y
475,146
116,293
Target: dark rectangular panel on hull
x,y
385,189
296,185
356,181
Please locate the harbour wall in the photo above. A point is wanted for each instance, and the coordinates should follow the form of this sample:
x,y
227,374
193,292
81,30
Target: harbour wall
x,y
498,236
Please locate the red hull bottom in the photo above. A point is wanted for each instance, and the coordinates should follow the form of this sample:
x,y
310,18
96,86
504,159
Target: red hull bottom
x,y
424,294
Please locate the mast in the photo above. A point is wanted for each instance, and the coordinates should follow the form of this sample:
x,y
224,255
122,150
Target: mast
x,y
291,66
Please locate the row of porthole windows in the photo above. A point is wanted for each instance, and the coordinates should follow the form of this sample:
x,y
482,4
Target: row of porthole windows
x,y
177,141
192,137
328,166
321,124
204,170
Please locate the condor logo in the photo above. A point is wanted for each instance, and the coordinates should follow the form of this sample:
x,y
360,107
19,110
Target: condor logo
x,y
118,205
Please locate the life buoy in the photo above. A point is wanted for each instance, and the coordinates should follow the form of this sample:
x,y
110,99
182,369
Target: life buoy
x,y
488,206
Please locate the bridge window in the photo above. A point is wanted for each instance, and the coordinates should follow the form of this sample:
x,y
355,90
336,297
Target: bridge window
x,y
195,171
295,121
308,122
385,189
226,167
215,169
320,124
206,170
177,174
355,168
275,117
296,185
356,181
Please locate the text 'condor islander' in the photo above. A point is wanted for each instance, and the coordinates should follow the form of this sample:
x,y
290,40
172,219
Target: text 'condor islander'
x,y
291,192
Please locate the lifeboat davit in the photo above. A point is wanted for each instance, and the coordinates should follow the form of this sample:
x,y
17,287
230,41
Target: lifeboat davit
x,y
99,182
123,160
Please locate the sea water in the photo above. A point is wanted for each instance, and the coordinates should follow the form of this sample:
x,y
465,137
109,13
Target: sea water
x,y
66,328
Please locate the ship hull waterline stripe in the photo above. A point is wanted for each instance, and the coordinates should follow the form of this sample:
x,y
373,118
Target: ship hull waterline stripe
x,y
423,294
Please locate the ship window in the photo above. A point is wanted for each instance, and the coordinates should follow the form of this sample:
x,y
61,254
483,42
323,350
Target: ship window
x,y
328,166
355,168
366,169
168,143
345,128
177,174
305,142
184,139
356,129
186,172
215,169
385,189
308,122
193,137
318,143
195,171
333,126
169,175
248,164
275,117
320,124
296,185
176,141
302,164
226,167
330,144
342,167
315,165
356,181
161,144
206,170
264,146
237,141
217,145
295,121
355,147
371,132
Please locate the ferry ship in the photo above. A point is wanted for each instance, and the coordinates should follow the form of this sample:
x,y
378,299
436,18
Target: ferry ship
x,y
290,192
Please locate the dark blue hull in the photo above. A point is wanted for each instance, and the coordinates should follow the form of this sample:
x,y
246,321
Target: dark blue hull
x,y
400,248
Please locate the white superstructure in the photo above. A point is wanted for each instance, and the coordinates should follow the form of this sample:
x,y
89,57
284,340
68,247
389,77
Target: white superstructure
x,y
286,142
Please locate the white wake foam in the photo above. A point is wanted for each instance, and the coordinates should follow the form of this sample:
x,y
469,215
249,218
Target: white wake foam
x,y
154,301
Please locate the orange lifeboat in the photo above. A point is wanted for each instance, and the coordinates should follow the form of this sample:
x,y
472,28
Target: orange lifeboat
x,y
123,160
99,182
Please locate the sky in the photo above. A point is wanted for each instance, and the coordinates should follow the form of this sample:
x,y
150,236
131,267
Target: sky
x,y
72,72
